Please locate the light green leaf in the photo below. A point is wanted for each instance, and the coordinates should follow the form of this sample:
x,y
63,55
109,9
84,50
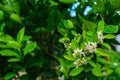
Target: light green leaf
x,y
76,71
65,39
26,37
9,75
29,47
103,61
96,70
20,35
102,52
68,24
67,1
6,38
109,36
14,44
8,53
106,45
100,26
110,29
16,18
68,57
13,60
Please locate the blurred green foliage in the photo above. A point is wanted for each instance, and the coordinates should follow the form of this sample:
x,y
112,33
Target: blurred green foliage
x,y
31,33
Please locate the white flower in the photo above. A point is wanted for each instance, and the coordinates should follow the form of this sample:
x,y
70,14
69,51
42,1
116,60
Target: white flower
x,y
100,36
61,78
61,69
118,12
90,47
80,62
77,52
77,63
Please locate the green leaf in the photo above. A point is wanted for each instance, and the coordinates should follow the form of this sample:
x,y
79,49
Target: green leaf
x,y
20,35
9,75
16,18
102,52
26,37
8,53
14,44
106,45
109,36
68,57
6,9
29,47
93,37
62,31
76,71
96,70
65,39
13,60
15,6
1,15
92,63
69,64
68,24
89,26
3,46
2,27
110,29
100,26
67,1
6,38
103,61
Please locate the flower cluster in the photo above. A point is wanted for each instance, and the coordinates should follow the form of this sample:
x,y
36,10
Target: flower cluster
x,y
90,47
118,12
100,36
79,55
77,52
80,62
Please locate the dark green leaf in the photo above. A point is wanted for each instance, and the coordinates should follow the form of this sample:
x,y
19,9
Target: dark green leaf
x,y
1,14
89,26
67,1
110,29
